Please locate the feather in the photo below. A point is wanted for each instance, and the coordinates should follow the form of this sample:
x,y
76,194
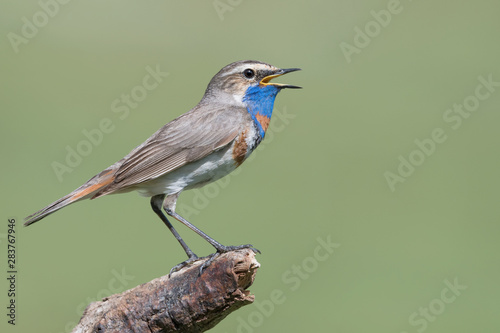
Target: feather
x,y
186,139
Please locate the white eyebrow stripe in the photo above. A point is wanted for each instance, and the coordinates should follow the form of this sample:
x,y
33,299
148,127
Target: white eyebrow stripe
x,y
242,67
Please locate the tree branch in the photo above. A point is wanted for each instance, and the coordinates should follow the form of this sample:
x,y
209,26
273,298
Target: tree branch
x,y
185,302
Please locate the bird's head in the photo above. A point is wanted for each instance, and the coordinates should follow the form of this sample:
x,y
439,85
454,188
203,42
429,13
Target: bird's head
x,y
245,82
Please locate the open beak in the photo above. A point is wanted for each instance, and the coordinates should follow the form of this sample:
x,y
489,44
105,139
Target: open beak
x,y
266,80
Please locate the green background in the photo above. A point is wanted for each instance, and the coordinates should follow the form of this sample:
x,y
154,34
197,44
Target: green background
x,y
320,174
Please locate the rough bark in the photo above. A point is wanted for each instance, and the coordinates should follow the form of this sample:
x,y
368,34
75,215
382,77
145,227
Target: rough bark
x,y
184,302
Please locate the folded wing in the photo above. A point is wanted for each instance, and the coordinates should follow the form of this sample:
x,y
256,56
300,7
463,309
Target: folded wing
x,y
186,139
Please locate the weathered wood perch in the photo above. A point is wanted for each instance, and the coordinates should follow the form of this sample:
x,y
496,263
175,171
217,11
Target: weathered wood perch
x,y
185,302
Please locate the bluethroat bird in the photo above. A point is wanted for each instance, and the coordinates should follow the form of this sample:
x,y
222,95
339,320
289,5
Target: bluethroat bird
x,y
196,148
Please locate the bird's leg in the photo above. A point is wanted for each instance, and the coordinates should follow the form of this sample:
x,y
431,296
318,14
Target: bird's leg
x,y
156,203
170,210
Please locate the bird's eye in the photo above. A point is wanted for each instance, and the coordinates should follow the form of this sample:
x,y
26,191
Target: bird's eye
x,y
249,73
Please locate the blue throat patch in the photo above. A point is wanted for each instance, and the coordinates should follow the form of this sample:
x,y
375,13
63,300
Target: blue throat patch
x,y
260,102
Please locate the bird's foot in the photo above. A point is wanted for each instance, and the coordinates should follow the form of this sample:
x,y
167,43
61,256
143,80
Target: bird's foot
x,y
223,249
192,258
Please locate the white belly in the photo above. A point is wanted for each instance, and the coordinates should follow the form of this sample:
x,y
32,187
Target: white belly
x,y
199,173
192,175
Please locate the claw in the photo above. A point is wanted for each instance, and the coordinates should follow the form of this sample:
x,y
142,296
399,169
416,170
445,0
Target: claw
x,y
183,264
224,249
209,261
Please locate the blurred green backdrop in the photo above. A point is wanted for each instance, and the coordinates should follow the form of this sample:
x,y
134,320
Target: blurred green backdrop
x,y
351,159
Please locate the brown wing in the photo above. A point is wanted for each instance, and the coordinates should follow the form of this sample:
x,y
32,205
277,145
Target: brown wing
x,y
186,139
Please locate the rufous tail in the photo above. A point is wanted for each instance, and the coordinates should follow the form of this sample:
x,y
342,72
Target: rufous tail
x,y
85,191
